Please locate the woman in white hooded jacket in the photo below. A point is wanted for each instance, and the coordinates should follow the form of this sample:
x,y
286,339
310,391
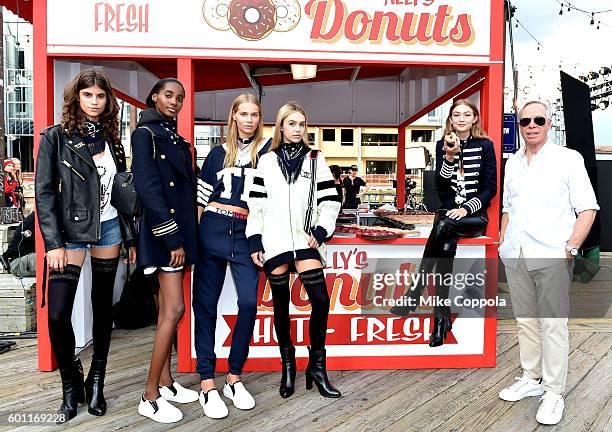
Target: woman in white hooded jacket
x,y
291,215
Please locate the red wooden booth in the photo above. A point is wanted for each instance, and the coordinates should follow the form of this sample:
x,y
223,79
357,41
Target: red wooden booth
x,y
380,63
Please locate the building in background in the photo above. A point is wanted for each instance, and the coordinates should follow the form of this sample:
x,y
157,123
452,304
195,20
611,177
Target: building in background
x,y
18,90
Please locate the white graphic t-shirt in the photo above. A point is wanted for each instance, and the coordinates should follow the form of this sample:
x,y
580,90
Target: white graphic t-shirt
x,y
106,170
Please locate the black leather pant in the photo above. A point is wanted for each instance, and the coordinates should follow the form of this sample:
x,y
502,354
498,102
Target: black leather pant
x,y
441,246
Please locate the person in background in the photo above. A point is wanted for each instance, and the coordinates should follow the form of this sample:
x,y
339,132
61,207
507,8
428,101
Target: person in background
x,y
337,174
354,188
19,257
12,187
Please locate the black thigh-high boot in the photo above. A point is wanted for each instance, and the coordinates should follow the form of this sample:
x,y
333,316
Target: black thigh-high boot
x,y
442,314
316,371
62,289
103,272
430,254
279,284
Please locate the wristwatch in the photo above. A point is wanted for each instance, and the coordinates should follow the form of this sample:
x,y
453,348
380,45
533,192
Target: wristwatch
x,y
573,251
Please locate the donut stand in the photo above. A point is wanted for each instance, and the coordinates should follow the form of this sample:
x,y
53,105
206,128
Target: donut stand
x,y
380,63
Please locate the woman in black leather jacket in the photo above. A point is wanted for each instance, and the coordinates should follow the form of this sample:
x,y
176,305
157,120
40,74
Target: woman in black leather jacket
x,y
76,163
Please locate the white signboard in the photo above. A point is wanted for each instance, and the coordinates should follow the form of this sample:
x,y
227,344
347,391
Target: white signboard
x,y
403,31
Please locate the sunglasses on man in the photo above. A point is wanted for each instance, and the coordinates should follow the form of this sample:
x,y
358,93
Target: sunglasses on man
x,y
526,121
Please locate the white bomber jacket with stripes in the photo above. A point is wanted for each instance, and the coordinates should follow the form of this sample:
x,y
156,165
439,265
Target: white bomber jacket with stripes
x,y
277,209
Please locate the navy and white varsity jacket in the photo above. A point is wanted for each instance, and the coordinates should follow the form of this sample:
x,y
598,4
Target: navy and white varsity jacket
x,y
480,176
230,186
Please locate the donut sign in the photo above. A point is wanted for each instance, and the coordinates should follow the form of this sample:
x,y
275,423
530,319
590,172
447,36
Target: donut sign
x,y
376,30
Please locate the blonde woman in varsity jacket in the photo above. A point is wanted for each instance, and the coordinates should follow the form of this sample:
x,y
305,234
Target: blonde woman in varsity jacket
x,y
466,180
291,215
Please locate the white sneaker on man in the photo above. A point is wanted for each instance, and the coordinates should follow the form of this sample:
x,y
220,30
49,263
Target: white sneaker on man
x,y
239,395
213,405
177,393
159,410
522,388
551,409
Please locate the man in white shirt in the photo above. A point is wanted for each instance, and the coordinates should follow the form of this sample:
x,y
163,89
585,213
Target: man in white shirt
x,y
545,187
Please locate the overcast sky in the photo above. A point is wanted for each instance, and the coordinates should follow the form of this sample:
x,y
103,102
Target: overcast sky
x,y
567,40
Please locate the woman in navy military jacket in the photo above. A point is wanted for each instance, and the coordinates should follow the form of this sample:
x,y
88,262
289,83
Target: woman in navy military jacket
x,y
165,183
466,180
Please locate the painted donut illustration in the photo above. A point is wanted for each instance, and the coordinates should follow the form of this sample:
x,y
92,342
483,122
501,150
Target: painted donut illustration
x,y
216,14
288,15
252,19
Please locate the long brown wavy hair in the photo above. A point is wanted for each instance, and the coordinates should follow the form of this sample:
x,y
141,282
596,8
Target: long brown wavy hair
x,y
73,118
232,131
477,130
284,112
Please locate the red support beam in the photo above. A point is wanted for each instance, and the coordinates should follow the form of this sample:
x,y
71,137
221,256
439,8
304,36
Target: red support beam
x,y
43,117
185,75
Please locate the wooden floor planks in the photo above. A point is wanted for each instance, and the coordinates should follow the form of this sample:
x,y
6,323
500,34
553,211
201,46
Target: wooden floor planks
x,y
376,400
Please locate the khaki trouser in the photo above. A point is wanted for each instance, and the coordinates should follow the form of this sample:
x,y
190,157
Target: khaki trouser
x,y
540,301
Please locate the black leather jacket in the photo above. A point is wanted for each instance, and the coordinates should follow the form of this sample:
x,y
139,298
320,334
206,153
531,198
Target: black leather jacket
x,y
68,190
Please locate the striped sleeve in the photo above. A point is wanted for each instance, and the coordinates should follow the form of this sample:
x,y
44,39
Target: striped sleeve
x,y
447,169
204,191
257,200
206,180
326,191
472,205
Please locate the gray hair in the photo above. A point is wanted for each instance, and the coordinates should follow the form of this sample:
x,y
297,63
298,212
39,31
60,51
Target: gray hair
x,y
544,104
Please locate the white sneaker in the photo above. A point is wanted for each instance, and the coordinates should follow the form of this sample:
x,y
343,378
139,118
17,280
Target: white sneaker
x,y
551,409
239,395
213,405
178,393
522,388
159,410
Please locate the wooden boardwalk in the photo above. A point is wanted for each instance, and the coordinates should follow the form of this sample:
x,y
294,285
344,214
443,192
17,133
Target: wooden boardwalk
x,y
407,400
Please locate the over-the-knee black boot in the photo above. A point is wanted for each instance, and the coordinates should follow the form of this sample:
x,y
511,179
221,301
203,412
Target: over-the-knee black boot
x,y
72,390
94,388
442,325
287,386
279,285
317,372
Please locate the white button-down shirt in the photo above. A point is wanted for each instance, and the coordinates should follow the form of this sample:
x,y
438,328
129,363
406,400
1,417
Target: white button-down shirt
x,y
542,199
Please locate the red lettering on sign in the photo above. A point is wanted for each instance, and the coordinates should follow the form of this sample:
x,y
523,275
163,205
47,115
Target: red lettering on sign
x,y
121,17
331,20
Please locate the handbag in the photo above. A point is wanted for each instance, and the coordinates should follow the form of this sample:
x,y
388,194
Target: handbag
x,y
308,222
123,196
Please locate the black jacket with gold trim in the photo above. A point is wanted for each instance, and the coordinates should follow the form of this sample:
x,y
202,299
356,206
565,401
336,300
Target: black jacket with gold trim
x,y
166,185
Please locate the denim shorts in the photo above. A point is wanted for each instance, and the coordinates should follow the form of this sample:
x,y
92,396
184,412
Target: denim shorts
x,y
110,235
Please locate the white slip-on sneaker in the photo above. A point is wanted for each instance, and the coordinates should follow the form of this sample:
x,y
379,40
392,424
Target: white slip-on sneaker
x,y
522,388
177,393
213,405
159,410
551,409
239,395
